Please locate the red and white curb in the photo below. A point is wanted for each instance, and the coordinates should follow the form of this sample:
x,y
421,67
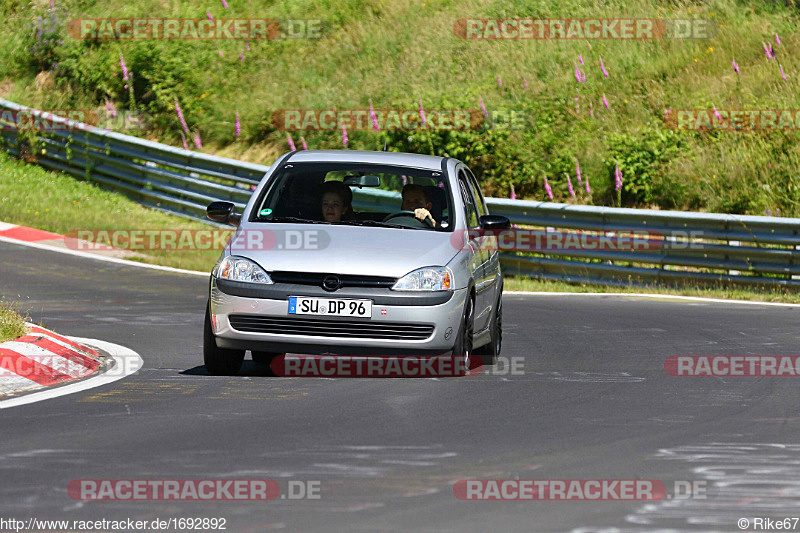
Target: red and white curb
x,y
42,359
23,234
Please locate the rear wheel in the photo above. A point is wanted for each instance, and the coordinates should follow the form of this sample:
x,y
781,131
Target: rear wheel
x,y
489,352
219,361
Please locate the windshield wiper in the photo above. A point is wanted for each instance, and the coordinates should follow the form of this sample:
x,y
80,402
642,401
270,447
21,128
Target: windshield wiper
x,y
291,219
374,223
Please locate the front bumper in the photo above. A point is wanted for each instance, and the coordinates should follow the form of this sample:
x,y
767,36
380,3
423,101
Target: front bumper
x,y
439,313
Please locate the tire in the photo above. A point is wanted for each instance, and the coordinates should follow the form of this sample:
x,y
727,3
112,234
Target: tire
x,y
463,344
491,351
264,358
219,361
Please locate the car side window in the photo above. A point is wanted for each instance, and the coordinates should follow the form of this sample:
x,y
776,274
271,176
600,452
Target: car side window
x,y
476,192
469,202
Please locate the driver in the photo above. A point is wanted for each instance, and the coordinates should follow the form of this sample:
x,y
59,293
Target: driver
x,y
415,198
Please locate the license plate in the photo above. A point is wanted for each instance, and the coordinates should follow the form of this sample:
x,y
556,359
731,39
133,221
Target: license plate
x,y
302,305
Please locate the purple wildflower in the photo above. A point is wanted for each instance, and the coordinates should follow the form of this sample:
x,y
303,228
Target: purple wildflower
x,y
735,66
580,58
344,136
782,74
767,51
577,72
583,77
247,45
513,194
588,189
483,108
617,178
185,146
777,40
208,14
124,67
605,101
291,142
197,141
578,171
224,4
220,53
242,57
111,109
303,140
403,177
53,6
716,113
499,81
569,186
238,126
548,189
524,82
603,68
180,116
422,113
373,117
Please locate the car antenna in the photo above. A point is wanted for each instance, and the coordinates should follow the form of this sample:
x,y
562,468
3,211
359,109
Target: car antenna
x,y
384,146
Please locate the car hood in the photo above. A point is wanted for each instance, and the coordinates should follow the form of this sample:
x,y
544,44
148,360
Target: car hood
x,y
358,250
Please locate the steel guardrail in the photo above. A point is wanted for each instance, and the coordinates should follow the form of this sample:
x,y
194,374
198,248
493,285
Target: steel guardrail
x,y
698,248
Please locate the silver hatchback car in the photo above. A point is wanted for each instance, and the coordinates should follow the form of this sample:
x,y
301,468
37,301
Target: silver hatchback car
x,y
356,253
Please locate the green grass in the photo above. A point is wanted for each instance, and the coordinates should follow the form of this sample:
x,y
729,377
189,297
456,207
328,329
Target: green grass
x,y
396,52
12,324
32,196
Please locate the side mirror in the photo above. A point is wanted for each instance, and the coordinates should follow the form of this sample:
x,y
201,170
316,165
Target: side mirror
x,y
224,213
495,222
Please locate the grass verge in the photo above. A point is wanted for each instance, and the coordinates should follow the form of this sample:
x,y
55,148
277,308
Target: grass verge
x,y
34,197
12,324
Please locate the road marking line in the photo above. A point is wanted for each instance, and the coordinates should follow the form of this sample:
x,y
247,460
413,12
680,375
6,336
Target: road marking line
x,y
126,363
650,295
104,258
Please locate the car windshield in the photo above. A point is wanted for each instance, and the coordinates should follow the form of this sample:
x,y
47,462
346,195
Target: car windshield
x,y
357,194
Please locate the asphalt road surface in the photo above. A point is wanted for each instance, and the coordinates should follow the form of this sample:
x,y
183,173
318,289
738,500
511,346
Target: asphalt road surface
x,y
590,399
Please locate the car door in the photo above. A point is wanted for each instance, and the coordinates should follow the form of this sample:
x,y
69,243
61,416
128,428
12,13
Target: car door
x,y
479,255
491,265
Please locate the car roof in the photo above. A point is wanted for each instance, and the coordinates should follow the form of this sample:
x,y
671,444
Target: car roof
x,y
400,159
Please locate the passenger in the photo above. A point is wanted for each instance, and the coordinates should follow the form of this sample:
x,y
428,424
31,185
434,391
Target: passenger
x,y
337,201
415,198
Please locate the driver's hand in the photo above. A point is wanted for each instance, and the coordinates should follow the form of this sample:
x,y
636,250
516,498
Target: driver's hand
x,y
422,213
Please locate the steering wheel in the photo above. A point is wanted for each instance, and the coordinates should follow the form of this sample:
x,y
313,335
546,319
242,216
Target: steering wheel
x,y
409,214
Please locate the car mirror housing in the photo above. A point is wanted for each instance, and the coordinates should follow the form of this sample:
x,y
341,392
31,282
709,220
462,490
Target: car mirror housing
x,y
224,213
495,222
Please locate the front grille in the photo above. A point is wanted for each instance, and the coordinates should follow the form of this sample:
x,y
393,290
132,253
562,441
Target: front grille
x,y
348,280
346,328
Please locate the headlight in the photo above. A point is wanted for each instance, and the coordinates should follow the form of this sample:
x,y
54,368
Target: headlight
x,y
426,279
240,269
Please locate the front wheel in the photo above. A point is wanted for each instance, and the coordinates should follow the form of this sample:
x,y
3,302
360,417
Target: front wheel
x,y
463,344
219,361
491,351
